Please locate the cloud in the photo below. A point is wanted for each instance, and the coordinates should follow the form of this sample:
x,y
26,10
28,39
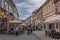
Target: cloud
x,y
24,17
26,7
20,4
19,1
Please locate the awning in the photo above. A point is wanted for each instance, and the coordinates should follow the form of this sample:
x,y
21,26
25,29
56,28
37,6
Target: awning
x,y
15,21
52,19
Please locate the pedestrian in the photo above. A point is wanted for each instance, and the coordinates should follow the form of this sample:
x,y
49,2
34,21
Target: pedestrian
x,y
31,30
28,30
16,31
11,31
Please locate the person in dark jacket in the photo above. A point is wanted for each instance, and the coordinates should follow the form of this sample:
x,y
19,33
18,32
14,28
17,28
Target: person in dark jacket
x,y
15,29
31,30
28,30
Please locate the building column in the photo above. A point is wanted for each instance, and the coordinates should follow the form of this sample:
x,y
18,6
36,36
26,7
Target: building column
x,y
7,25
46,26
59,27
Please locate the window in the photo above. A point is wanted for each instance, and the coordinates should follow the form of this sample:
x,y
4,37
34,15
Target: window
x,y
0,3
56,1
12,10
9,8
56,9
51,26
44,26
3,3
48,8
6,6
57,25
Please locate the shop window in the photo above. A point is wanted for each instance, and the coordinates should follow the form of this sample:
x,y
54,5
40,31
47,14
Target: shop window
x,y
2,27
56,9
51,26
57,25
44,26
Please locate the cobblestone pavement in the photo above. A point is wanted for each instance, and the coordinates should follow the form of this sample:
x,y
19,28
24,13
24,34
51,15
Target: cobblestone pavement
x,y
41,35
20,37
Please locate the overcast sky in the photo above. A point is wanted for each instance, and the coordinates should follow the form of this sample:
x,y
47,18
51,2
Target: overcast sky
x,y
26,7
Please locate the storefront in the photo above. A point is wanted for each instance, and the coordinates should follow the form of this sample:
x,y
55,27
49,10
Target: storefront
x,y
15,23
2,20
8,18
53,23
2,24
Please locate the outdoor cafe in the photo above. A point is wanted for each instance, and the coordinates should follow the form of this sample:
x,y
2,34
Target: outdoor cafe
x,y
52,25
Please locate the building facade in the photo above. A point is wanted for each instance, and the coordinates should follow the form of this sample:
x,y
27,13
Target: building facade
x,y
51,14
37,17
47,16
8,12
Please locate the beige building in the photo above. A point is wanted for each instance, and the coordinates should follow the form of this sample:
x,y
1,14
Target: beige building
x,y
51,14
47,16
37,18
28,21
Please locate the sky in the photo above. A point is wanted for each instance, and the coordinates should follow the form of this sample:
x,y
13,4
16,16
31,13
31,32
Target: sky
x,y
26,7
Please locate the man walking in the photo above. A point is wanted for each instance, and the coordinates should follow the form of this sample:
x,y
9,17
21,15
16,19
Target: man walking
x,y
28,30
15,30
